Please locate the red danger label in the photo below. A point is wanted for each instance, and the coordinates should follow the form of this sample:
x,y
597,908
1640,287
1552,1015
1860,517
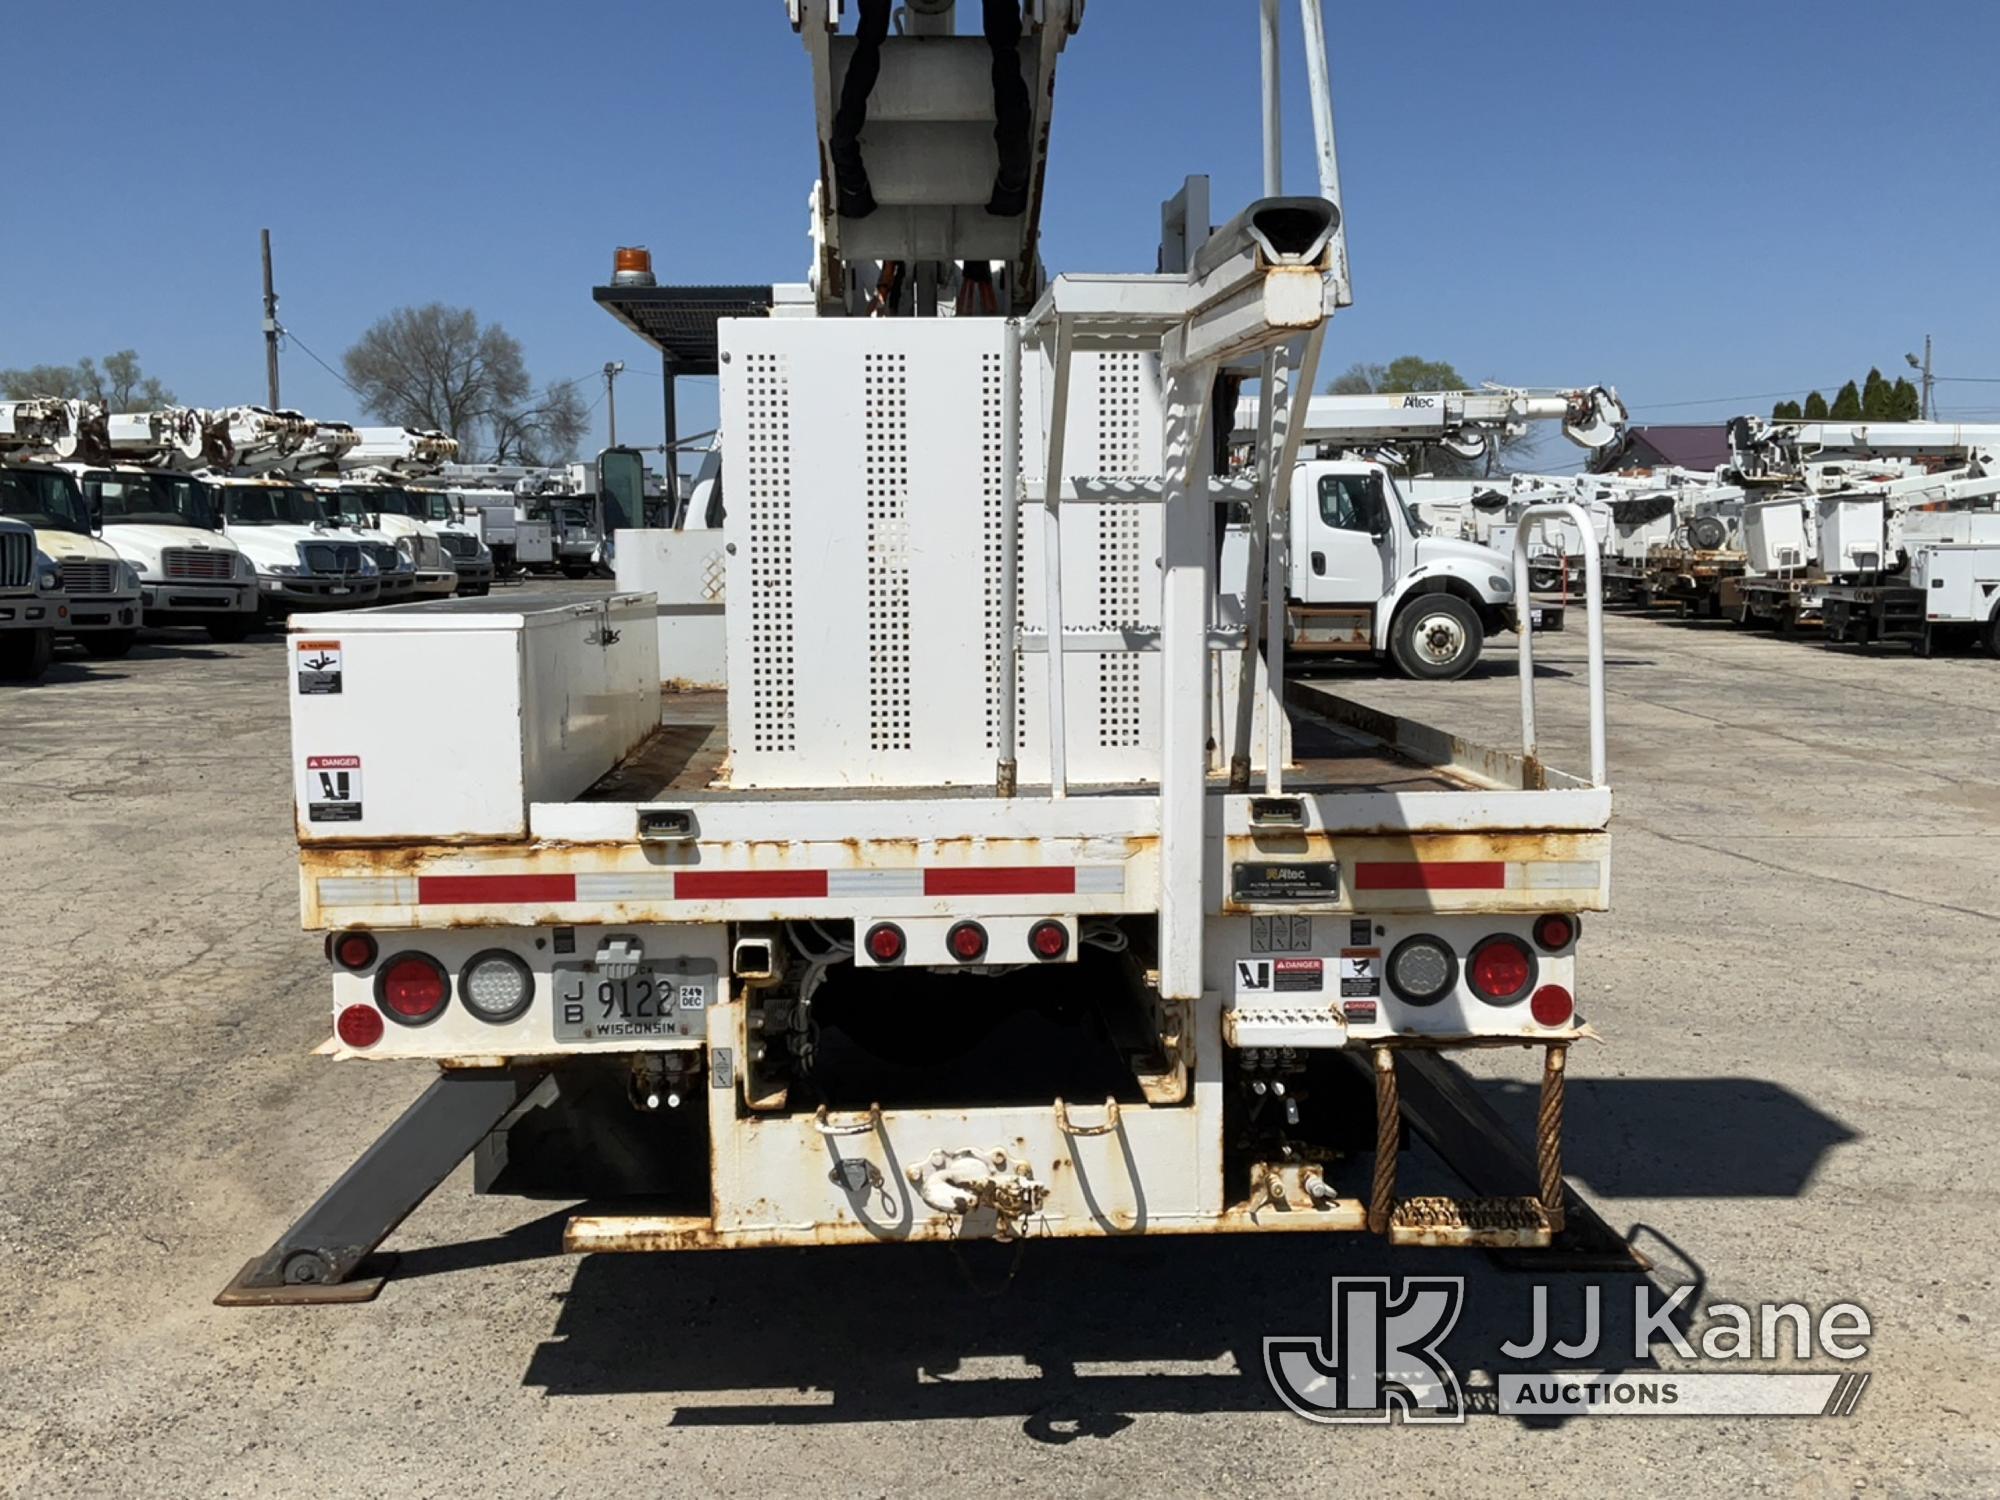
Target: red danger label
x,y
1299,975
333,762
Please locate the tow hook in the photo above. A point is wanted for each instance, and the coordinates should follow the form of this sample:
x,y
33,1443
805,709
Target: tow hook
x,y
962,1182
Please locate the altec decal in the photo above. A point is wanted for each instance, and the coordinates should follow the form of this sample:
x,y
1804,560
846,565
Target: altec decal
x,y
561,889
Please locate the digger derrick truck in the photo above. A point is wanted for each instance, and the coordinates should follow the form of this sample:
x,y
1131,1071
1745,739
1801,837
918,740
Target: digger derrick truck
x,y
384,471
1005,892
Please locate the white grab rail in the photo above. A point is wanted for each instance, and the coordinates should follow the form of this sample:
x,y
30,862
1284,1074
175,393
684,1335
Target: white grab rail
x,y
1593,585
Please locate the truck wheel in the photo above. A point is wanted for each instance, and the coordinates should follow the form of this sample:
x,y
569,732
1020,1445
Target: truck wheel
x,y
25,654
1993,634
1436,637
234,628
108,645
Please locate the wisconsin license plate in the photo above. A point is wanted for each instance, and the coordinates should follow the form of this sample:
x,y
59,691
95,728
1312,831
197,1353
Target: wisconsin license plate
x,y
653,1004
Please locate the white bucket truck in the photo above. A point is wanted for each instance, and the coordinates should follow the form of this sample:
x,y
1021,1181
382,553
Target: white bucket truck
x,y
947,921
33,605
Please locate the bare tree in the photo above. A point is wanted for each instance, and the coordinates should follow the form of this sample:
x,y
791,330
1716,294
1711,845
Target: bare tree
x,y
439,367
119,385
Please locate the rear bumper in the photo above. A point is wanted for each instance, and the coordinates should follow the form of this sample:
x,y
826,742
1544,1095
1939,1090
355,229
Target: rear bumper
x,y
103,612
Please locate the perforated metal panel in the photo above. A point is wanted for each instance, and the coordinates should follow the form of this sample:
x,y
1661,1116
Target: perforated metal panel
x,y
866,629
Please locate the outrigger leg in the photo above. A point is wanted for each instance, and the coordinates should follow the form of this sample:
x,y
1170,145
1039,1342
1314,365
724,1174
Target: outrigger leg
x,y
326,1255
1556,1229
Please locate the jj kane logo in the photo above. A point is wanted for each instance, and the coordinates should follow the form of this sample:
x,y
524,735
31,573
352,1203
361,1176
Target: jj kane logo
x,y
1381,1358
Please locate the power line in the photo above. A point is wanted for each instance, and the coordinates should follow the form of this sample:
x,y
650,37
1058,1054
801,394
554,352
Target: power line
x,y
1754,396
320,362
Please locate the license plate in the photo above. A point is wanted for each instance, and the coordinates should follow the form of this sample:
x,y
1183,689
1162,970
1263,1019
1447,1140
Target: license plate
x,y
340,588
656,1003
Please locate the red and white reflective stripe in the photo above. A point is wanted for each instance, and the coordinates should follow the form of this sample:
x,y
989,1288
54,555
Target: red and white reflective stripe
x,y
719,885
1478,875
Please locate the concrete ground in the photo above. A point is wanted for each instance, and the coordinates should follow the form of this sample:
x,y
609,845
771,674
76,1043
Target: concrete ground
x,y
1796,1100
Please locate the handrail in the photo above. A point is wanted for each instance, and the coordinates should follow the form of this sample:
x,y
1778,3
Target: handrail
x,y
1594,614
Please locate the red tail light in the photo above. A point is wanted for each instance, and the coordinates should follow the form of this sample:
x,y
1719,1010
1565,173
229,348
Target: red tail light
x,y
1555,932
1501,970
360,1026
1551,1006
412,988
966,942
884,942
1048,940
354,950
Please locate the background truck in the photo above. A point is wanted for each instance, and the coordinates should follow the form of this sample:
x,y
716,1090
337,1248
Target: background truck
x,y
137,485
103,604
392,462
32,604
1005,893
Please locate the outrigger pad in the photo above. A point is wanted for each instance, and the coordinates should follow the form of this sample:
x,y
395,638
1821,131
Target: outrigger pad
x,y
364,1287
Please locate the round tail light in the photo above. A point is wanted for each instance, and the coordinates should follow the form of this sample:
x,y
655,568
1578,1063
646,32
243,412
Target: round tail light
x,y
412,988
354,950
496,986
884,942
1422,970
1551,1006
359,1026
1501,970
966,942
1555,932
1048,940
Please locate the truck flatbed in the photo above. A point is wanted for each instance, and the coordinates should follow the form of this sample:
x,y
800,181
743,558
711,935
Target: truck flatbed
x,y
683,760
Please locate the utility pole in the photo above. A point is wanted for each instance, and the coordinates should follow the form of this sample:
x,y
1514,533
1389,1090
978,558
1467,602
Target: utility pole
x,y
270,327
1926,368
613,368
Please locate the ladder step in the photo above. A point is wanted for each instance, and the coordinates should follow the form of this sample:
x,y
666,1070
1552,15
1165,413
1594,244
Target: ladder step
x,y
1283,1026
1481,1223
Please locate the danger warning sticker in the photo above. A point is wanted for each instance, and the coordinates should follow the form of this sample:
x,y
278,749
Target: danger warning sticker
x,y
1360,973
319,667
1299,975
333,788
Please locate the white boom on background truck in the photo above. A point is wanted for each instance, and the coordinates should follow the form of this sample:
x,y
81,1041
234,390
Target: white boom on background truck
x,y
1002,894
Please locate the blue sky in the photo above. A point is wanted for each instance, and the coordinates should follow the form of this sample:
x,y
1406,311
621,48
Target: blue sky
x,y
1689,201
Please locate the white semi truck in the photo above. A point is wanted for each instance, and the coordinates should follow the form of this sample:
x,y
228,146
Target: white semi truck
x,y
104,606
390,463
140,491
1006,893
33,605
1365,574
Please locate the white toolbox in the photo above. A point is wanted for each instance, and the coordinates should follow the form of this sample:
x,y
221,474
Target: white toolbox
x,y
445,719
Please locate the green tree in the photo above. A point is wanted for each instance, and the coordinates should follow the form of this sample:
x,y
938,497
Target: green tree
x,y
1786,411
1877,402
117,385
1905,405
1815,407
438,367
1847,404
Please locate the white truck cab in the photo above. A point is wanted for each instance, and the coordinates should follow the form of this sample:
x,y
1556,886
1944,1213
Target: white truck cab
x,y
302,562
163,524
102,589
378,513
32,604
1367,577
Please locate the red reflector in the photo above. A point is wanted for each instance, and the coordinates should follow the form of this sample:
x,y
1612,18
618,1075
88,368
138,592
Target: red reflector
x,y
1048,939
1551,1005
967,942
413,988
1501,970
885,942
359,1026
1555,931
354,950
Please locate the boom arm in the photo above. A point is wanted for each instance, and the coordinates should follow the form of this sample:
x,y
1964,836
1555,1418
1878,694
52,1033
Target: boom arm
x,y
1461,421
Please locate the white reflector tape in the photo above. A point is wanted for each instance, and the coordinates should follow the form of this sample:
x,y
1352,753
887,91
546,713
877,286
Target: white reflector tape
x,y
647,885
874,882
368,890
1555,875
1100,880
